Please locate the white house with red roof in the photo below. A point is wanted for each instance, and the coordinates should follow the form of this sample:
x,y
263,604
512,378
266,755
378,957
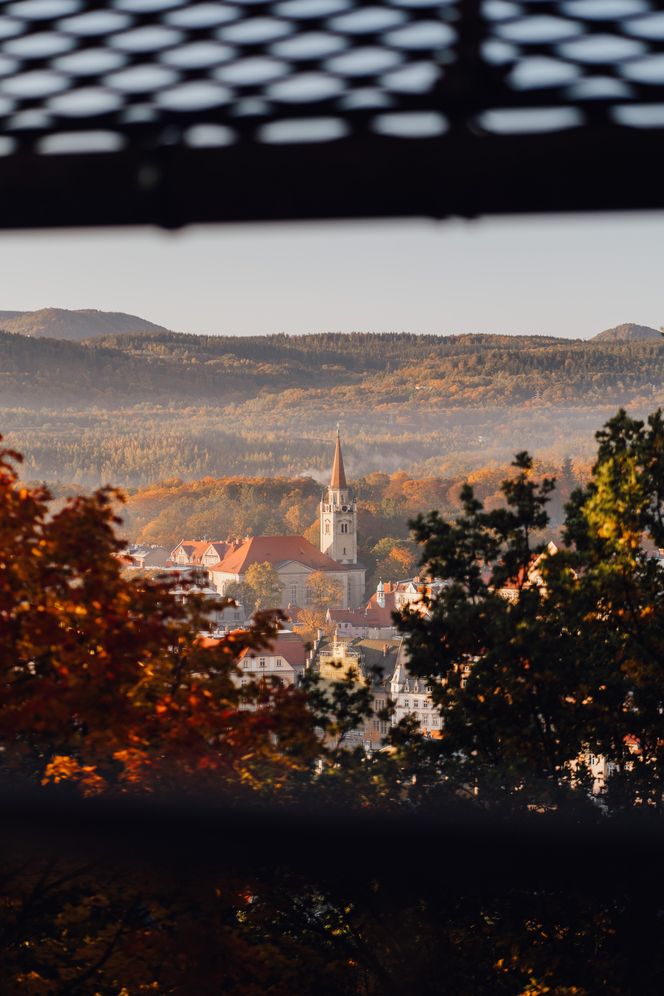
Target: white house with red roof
x,y
200,553
285,660
215,552
374,621
188,553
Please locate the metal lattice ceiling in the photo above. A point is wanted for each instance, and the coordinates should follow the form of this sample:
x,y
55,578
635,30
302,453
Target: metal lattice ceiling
x,y
173,111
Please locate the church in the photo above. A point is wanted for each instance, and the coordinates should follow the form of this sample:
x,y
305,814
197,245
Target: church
x,y
295,558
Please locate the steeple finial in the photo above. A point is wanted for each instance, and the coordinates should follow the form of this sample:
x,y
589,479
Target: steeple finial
x,y
338,481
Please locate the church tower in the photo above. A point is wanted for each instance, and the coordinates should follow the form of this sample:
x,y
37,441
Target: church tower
x,y
338,515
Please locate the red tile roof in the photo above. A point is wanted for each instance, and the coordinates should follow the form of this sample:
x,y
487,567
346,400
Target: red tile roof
x,y
354,616
376,614
290,646
194,549
221,548
276,550
373,615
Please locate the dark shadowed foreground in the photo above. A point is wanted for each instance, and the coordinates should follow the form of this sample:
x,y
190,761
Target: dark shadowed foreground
x,y
154,896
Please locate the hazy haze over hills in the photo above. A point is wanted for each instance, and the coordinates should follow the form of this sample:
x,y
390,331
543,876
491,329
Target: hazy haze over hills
x,y
60,323
278,373
139,407
136,406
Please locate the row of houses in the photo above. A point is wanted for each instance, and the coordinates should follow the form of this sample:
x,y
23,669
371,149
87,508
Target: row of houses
x,y
375,621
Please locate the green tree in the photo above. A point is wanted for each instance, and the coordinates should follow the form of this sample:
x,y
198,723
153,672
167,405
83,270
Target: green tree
x,y
570,665
240,593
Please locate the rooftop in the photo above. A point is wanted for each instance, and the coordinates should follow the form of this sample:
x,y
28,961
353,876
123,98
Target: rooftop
x,y
275,550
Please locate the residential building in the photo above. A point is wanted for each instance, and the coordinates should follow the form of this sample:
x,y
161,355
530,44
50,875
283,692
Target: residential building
x,y
375,621
529,577
222,618
340,659
215,552
189,553
411,696
284,661
147,556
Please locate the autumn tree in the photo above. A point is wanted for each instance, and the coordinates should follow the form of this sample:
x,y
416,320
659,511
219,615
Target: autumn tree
x,y
394,558
263,583
104,678
106,687
322,592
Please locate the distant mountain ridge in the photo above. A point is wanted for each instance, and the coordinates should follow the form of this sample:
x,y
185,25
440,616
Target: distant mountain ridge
x,y
629,332
330,371
76,326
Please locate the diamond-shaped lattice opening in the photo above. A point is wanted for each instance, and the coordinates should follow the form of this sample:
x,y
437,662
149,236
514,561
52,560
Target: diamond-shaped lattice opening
x,y
582,60
90,76
246,71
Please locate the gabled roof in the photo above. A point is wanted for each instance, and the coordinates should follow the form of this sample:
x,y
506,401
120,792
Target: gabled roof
x,y
219,547
378,615
276,550
193,548
338,479
353,616
374,615
288,645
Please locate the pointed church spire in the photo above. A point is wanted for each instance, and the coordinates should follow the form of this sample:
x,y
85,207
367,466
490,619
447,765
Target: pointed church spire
x,y
338,481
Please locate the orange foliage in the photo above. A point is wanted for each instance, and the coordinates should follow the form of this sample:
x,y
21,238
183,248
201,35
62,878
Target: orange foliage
x,y
104,680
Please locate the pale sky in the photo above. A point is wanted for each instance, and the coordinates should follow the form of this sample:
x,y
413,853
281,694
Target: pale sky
x,y
567,276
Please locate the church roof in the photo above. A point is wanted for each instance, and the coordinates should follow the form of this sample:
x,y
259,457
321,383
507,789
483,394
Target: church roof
x,y
276,550
338,481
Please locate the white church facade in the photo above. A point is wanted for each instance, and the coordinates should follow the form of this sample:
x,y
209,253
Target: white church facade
x,y
295,558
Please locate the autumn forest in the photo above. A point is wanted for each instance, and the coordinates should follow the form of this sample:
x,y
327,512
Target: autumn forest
x,y
214,435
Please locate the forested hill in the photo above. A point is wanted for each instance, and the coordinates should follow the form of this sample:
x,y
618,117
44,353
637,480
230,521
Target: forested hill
x,y
144,407
61,323
380,370
629,332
